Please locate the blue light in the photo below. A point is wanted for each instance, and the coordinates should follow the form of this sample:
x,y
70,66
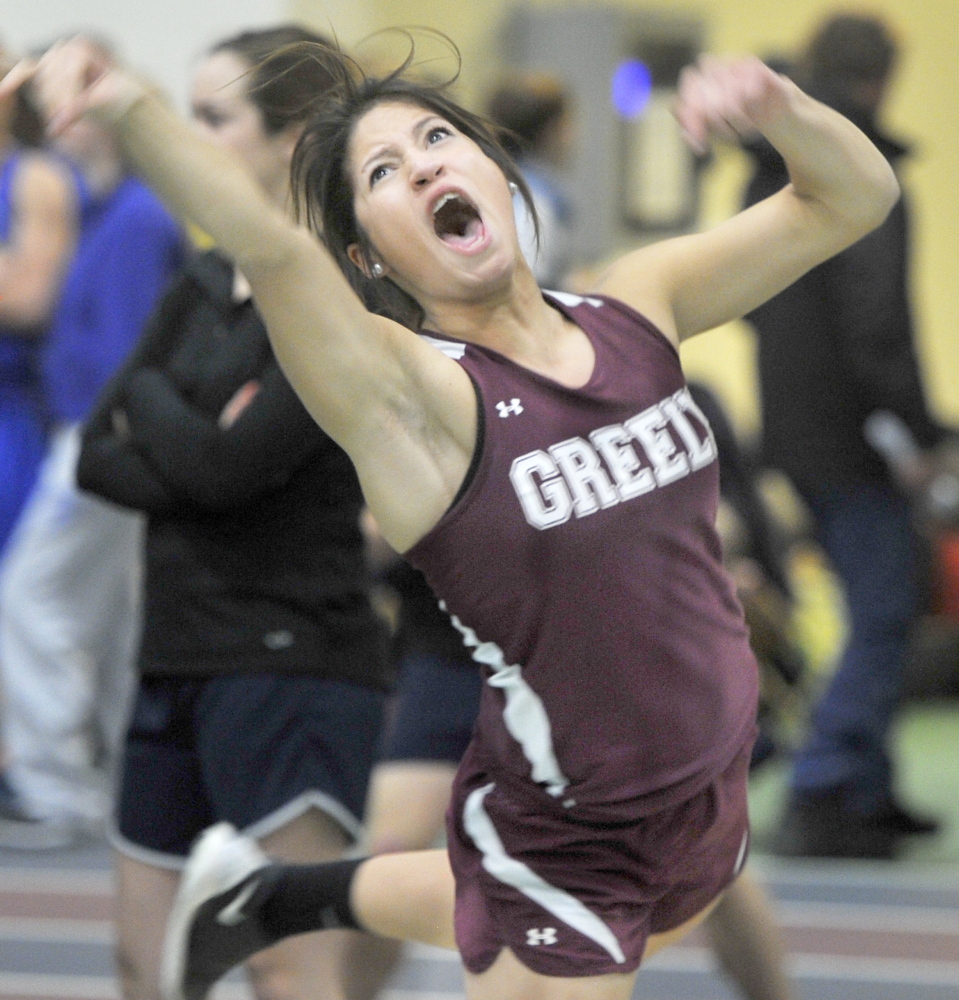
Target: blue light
x,y
631,88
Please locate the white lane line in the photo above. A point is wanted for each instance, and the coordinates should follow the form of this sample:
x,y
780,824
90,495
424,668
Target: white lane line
x,y
52,880
430,953
44,929
73,930
915,972
398,994
831,872
869,917
26,985
822,967
791,916
91,987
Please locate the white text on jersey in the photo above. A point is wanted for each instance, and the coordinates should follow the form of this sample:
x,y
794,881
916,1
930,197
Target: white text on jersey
x,y
580,477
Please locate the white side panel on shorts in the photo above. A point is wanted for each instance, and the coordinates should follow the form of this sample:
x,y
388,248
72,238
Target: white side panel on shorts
x,y
524,716
741,857
508,870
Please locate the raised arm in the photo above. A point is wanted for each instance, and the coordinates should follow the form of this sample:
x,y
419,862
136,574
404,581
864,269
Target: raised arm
x,y
841,187
404,412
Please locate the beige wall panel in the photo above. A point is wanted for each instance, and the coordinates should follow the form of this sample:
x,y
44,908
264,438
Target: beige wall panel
x,y
348,20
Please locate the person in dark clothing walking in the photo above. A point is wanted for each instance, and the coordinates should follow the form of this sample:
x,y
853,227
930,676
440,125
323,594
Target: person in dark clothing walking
x,y
836,348
262,663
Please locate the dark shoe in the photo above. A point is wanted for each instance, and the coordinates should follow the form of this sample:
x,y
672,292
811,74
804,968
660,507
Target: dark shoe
x,y
37,835
214,924
22,832
819,826
11,805
901,820
764,750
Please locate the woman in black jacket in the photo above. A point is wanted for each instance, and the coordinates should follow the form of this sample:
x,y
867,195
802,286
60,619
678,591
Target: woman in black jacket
x,y
262,663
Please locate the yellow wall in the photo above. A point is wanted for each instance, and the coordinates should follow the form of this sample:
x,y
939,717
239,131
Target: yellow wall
x,y
924,108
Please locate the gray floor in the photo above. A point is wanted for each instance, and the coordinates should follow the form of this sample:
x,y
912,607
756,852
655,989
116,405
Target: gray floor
x,y
854,931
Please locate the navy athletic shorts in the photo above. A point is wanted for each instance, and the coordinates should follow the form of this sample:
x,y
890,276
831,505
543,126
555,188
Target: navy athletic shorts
x,y
581,899
257,750
435,708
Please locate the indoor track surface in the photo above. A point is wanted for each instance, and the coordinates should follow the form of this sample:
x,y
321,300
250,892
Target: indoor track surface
x,y
854,930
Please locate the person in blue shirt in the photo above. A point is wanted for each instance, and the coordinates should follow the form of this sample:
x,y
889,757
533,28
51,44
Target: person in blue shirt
x,y
69,584
37,233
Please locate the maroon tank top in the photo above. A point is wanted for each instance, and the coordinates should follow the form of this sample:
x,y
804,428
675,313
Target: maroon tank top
x,y
582,566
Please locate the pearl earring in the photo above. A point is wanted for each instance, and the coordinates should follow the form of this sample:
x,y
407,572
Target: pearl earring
x,y
377,270
513,187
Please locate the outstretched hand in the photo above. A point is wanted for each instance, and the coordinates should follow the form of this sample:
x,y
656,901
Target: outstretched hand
x,y
731,99
72,79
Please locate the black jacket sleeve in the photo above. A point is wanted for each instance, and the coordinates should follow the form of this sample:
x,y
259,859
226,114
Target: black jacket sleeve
x,y
109,464
737,483
112,469
176,455
210,467
867,285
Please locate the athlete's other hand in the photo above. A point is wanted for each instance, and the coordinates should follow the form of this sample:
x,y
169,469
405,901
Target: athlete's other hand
x,y
75,78
731,99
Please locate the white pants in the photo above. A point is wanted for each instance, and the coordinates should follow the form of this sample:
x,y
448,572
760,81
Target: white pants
x,y
70,606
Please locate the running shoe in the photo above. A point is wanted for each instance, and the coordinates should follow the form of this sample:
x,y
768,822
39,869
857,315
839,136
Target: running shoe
x,y
214,924
21,831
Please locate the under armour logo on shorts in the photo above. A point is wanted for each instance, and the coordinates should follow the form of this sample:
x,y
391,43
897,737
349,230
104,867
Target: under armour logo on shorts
x,y
541,935
513,406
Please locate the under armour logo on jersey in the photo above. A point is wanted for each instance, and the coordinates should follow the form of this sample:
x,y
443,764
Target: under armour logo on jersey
x,y
541,935
513,406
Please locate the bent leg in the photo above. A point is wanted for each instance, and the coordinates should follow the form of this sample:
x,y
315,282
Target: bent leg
x,y
144,897
304,967
745,937
508,979
407,896
405,811
407,805
307,966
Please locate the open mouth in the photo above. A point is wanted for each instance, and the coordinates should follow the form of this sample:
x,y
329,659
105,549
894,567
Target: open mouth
x,y
455,220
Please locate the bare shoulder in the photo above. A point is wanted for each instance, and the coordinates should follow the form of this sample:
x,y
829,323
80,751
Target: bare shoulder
x,y
692,283
642,279
402,410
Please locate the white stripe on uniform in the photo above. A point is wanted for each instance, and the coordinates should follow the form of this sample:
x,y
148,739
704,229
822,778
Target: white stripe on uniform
x,y
508,870
525,715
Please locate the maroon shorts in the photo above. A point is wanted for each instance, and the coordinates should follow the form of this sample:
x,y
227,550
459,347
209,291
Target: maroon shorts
x,y
578,899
